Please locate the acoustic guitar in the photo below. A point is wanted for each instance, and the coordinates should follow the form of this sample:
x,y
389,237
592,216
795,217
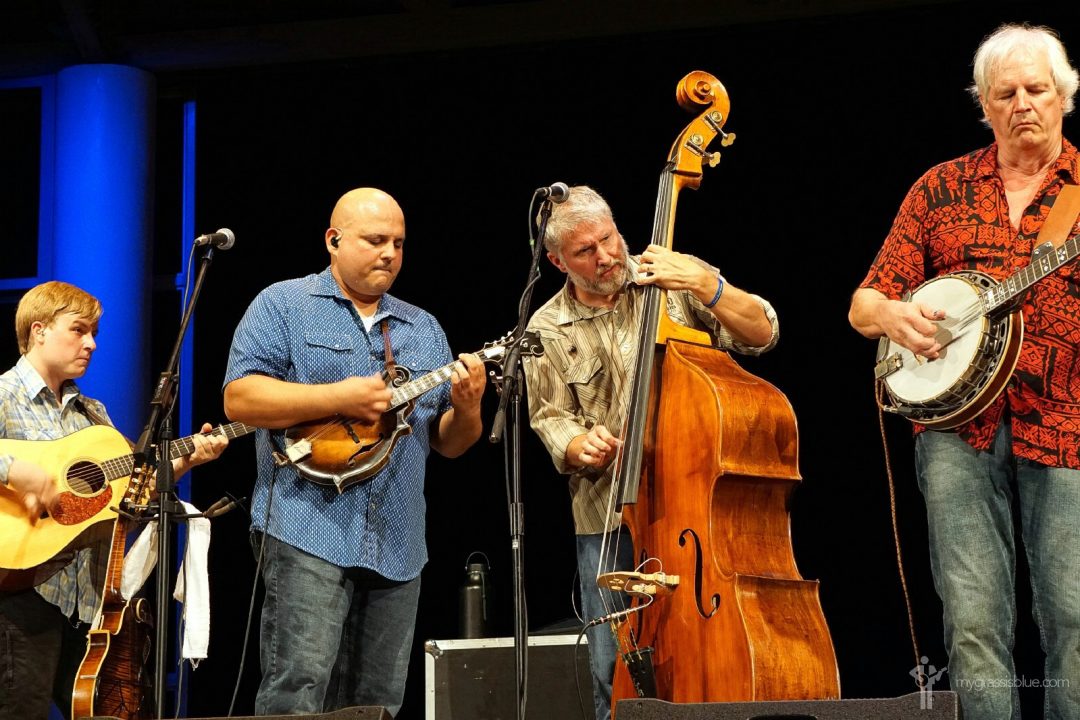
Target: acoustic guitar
x,y
92,467
342,451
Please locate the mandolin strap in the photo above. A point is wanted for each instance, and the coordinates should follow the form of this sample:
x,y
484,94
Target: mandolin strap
x,y
389,353
1059,223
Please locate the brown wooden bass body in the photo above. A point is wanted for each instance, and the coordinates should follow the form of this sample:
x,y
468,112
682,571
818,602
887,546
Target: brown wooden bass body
x,y
706,471
743,624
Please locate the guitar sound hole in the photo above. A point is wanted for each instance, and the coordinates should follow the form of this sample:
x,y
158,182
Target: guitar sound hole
x,y
85,478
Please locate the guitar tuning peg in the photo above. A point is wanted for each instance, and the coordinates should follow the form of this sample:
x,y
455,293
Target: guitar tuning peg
x,y
726,138
713,159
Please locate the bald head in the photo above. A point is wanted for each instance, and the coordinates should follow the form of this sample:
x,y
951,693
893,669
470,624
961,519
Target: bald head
x,y
365,240
359,204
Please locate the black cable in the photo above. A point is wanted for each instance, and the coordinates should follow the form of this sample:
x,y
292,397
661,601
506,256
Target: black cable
x,y
254,590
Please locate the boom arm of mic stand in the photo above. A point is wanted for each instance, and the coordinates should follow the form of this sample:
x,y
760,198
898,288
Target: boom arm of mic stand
x,y
510,361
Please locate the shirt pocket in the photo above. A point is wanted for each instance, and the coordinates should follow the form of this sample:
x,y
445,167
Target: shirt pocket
x,y
588,382
328,357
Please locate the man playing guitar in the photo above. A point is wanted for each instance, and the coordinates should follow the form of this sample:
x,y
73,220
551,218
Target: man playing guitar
x,y
46,626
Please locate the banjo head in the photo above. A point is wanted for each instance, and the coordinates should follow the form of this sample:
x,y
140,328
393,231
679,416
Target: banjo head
x,y
920,381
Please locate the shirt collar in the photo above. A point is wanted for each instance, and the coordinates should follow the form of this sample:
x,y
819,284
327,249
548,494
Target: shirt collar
x,y
35,385
389,306
983,164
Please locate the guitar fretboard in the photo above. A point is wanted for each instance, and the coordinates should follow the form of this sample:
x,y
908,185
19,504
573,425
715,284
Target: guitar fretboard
x,y
121,466
1021,280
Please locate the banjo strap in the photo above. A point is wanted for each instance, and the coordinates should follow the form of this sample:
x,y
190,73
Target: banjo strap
x,y
1059,223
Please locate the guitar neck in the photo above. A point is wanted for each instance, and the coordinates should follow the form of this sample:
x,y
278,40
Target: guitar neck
x,y
1017,283
121,466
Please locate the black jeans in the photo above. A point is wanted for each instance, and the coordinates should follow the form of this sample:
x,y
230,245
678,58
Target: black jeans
x,y
40,652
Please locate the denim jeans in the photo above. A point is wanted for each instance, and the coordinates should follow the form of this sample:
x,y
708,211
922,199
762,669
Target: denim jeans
x,y
969,500
331,637
603,649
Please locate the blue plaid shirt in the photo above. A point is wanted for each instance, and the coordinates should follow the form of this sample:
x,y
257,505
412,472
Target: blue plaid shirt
x,y
306,331
29,411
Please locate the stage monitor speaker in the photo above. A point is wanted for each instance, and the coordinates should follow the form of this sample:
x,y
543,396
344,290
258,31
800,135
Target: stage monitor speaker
x,y
367,712
916,706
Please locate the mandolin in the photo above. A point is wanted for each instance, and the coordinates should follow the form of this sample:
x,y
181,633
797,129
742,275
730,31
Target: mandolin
x,y
343,451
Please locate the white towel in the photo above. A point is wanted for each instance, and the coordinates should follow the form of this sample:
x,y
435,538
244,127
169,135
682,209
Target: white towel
x,y
141,559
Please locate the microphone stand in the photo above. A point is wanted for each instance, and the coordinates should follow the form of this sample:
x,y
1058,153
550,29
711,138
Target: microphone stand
x,y
157,436
510,394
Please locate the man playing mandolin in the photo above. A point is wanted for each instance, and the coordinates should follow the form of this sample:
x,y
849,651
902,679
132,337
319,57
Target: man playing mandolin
x,y
982,212
342,566
578,389
45,627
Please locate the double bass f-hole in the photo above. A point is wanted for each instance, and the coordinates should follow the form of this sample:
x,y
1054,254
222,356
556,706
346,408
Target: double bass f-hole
x,y
715,599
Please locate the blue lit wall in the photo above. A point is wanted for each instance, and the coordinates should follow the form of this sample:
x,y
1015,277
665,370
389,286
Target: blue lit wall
x,y
103,222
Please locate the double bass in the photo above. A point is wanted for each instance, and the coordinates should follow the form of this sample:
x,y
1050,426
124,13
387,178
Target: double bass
x,y
707,466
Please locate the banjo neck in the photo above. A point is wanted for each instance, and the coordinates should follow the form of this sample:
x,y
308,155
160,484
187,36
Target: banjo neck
x,y
1045,260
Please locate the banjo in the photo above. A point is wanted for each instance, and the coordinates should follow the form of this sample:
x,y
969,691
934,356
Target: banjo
x,y
980,339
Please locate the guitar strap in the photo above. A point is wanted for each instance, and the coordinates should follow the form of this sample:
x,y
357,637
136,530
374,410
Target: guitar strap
x,y
94,415
1059,222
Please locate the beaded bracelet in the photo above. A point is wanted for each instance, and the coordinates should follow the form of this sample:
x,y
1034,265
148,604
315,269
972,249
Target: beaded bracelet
x,y
719,290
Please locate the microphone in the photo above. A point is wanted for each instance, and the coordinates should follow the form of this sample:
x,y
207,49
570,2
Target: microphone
x,y
556,193
223,239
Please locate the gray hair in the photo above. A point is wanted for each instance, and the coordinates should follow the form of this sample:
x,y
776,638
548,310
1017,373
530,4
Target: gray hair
x,y
583,205
998,45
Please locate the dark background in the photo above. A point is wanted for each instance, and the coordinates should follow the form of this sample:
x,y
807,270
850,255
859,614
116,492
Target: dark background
x,y
836,116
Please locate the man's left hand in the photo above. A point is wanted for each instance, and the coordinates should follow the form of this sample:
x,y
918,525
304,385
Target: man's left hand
x,y
675,271
207,448
467,381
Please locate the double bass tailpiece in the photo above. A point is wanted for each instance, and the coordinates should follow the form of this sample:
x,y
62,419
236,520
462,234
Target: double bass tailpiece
x,y
636,583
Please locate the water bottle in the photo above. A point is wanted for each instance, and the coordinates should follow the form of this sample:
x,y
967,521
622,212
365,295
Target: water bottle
x,y
473,599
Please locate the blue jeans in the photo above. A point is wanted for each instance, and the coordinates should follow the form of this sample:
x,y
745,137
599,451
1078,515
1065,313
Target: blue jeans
x,y
331,637
603,650
969,500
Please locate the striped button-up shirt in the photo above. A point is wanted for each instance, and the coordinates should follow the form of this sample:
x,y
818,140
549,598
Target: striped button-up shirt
x,y
585,376
29,411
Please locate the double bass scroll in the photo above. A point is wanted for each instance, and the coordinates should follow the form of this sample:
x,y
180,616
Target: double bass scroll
x,y
704,477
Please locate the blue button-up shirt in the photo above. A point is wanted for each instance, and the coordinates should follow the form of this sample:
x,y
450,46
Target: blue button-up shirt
x,y
306,331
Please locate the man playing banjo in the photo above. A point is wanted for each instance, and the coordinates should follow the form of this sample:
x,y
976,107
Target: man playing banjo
x,y
982,212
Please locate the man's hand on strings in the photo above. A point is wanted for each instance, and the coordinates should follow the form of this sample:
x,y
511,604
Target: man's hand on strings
x,y
596,448
675,271
363,397
467,381
35,486
207,448
912,325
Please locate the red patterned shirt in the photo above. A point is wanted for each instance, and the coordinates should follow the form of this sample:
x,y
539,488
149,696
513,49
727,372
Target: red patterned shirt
x,y
956,217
